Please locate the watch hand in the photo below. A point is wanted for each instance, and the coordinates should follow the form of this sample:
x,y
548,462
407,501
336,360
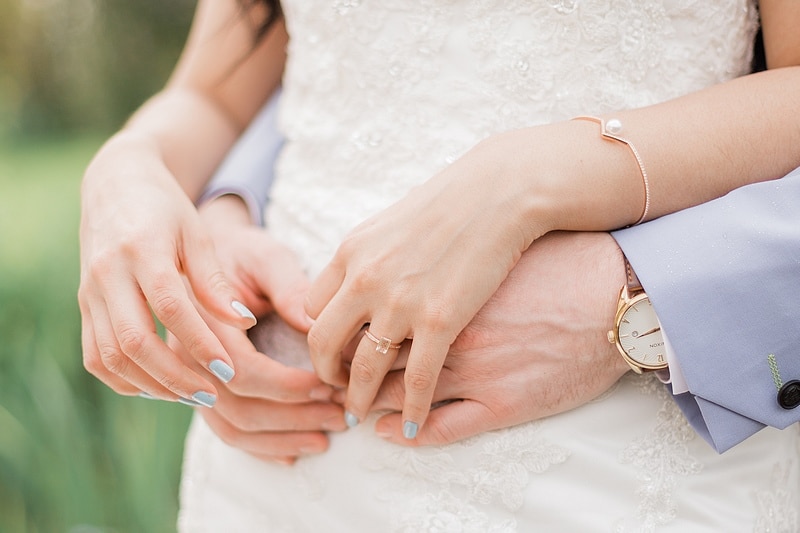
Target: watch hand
x,y
649,332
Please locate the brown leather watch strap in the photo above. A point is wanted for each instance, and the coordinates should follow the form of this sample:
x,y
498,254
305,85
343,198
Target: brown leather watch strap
x,y
631,279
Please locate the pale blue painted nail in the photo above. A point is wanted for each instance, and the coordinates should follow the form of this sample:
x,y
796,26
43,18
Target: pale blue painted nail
x,y
243,311
350,419
190,403
205,399
410,429
221,369
147,396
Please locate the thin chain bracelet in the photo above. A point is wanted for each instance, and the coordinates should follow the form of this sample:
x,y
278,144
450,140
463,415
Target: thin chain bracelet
x,y
609,130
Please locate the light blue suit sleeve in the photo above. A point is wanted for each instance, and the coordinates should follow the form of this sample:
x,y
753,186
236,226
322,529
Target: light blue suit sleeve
x,y
724,278
247,171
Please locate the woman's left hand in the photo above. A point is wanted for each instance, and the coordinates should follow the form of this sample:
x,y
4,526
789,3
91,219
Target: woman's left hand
x,y
419,270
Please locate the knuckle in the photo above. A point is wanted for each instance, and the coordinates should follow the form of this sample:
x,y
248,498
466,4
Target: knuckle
x,y
317,339
130,247
348,246
397,301
194,345
100,265
366,279
166,303
418,382
114,361
472,337
437,317
362,371
93,365
169,383
83,293
132,341
218,282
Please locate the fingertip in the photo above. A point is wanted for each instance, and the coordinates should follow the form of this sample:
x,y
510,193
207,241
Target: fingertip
x,y
390,428
410,430
350,419
244,313
206,399
222,370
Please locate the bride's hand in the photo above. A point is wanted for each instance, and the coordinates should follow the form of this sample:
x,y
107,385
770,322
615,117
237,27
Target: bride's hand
x,y
425,266
537,348
269,410
140,236
419,270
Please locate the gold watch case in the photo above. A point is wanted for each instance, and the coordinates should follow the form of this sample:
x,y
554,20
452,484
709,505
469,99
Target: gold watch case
x,y
637,332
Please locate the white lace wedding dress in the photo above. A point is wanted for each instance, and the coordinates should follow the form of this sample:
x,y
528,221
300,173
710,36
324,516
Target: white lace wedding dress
x,y
378,96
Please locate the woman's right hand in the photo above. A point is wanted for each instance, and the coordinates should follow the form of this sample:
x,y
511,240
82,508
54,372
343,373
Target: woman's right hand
x,y
269,410
140,237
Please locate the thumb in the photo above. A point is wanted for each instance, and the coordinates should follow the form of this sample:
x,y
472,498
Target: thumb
x,y
446,424
280,277
208,282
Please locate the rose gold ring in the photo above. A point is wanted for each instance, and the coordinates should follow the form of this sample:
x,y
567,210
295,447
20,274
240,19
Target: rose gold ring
x,y
383,344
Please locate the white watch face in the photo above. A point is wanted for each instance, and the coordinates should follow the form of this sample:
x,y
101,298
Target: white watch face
x,y
640,335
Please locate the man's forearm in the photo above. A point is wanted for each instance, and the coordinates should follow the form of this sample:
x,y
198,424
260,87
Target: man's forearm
x,y
248,170
723,277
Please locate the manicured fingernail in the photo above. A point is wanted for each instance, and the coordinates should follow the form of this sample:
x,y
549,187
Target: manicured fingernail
x,y
221,369
350,419
190,403
205,399
410,429
320,393
243,311
147,396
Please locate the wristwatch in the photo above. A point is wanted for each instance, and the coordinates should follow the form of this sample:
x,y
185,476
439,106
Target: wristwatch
x,y
637,332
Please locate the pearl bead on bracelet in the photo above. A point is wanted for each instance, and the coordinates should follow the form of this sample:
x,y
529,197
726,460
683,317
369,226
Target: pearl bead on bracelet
x,y
609,130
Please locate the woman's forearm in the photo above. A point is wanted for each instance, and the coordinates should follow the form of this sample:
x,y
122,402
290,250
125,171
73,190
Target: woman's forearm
x,y
222,79
694,148
185,131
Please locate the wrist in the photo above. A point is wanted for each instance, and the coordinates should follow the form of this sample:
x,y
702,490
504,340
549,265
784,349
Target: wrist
x,y
123,164
574,179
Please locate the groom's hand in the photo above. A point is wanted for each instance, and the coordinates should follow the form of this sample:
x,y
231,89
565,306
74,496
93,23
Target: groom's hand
x,y
537,348
268,410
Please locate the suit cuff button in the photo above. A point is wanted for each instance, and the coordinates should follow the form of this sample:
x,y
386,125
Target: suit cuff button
x,y
789,394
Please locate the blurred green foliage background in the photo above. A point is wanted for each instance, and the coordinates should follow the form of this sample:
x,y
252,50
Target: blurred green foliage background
x,y
74,457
